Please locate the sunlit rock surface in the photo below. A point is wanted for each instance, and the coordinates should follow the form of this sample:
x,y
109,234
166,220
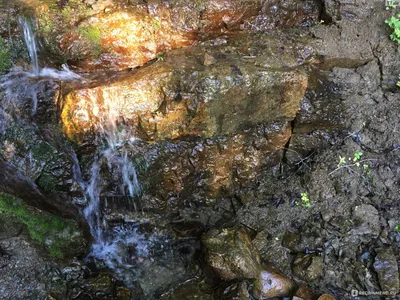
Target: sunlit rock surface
x,y
186,95
118,35
218,114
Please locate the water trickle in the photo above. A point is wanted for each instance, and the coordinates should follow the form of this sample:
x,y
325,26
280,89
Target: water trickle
x,y
19,85
30,41
114,141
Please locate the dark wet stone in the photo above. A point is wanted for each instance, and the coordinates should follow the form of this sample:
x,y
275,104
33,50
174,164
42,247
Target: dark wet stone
x,y
386,267
307,267
237,291
231,254
271,283
304,293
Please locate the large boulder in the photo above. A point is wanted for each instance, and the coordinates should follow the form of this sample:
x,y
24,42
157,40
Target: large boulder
x,y
386,267
184,96
217,114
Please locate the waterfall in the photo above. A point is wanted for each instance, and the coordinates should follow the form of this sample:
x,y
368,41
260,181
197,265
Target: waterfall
x,y
20,85
113,143
30,41
114,140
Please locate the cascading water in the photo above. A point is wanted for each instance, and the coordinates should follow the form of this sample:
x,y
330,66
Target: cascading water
x,y
113,142
19,85
30,42
134,255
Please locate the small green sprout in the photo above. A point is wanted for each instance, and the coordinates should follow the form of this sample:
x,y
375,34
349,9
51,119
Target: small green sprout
x,y
391,4
357,156
342,161
397,228
160,57
305,201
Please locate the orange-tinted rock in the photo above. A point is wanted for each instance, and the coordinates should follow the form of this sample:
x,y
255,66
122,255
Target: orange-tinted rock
x,y
205,170
116,35
180,97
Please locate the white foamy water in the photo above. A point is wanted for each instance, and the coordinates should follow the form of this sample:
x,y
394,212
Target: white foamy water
x,y
123,248
114,140
20,85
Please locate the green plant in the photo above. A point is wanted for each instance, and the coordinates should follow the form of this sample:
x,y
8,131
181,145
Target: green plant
x,y
359,166
355,161
5,57
391,4
305,200
397,228
156,25
394,23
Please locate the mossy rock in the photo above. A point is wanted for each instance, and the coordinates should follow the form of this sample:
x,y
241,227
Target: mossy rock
x,y
60,237
5,56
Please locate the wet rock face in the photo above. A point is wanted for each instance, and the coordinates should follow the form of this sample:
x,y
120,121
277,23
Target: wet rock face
x,y
387,268
228,114
120,35
231,254
336,10
180,96
35,156
202,171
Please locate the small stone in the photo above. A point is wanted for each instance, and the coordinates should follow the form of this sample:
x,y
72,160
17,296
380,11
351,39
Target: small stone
x,y
291,240
231,254
272,283
195,288
368,217
304,293
209,59
387,269
307,267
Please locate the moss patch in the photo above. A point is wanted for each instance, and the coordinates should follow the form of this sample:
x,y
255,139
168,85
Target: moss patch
x,y
92,35
48,230
5,57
